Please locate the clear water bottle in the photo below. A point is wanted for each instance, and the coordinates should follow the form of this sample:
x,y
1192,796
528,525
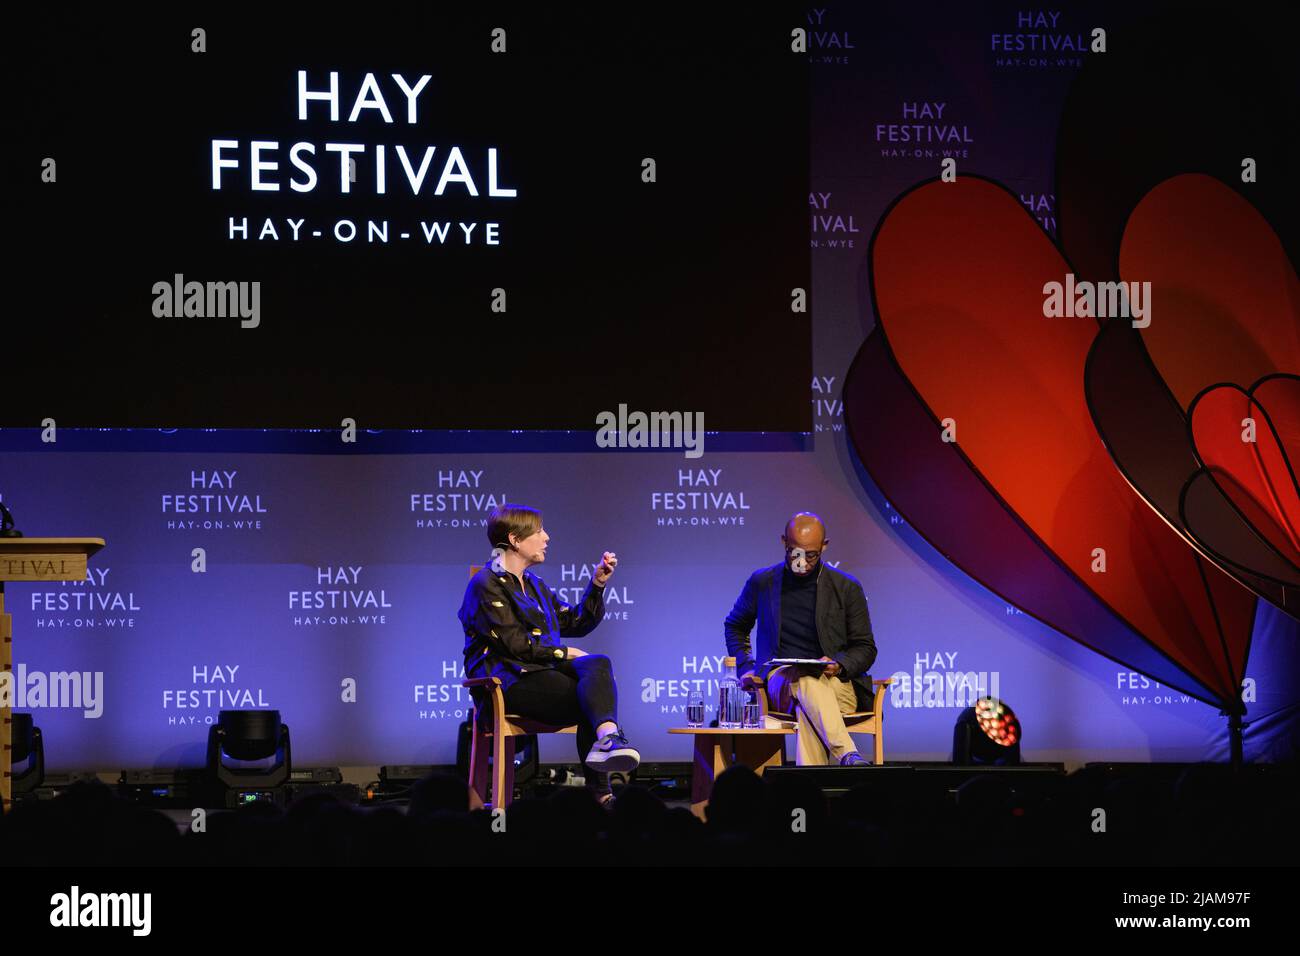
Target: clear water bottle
x,y
731,699
695,707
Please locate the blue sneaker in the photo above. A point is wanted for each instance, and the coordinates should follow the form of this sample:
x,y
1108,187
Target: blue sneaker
x,y
854,759
613,754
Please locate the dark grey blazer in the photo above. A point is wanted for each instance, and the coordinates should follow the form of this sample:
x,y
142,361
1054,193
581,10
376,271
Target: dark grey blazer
x,y
843,624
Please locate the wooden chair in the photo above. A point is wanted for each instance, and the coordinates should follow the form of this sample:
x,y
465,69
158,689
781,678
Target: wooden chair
x,y
492,733
859,722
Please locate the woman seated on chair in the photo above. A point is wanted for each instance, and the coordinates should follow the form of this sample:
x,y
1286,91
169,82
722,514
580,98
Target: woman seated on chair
x,y
513,628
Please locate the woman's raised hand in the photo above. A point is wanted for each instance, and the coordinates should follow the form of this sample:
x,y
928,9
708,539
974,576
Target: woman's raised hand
x,y
608,562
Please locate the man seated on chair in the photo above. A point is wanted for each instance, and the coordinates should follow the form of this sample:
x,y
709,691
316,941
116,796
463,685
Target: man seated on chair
x,y
810,611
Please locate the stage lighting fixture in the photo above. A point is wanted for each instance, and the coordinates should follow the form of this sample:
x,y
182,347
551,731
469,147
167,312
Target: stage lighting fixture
x,y
27,747
248,756
987,733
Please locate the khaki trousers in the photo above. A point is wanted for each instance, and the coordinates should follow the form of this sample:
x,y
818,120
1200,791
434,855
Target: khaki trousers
x,y
819,703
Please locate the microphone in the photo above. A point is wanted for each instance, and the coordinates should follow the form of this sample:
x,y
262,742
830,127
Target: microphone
x,y
7,529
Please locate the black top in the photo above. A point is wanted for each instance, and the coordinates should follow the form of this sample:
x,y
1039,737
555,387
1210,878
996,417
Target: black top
x,y
799,615
509,632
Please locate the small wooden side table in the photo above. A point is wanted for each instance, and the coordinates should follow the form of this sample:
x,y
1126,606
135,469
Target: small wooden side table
x,y
717,748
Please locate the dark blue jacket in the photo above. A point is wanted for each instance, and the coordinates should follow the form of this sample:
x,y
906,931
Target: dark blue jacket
x,y
843,624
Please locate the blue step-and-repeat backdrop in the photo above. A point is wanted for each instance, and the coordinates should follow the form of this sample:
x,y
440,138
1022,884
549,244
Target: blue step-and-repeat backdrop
x,y
332,583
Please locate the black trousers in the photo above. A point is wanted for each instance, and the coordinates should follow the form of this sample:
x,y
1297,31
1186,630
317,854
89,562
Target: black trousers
x,y
580,691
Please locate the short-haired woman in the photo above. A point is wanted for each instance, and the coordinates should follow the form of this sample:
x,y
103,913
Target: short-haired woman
x,y
513,628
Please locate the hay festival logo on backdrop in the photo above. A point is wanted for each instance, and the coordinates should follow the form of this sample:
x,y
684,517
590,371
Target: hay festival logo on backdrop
x,y
924,129
354,167
463,499
1041,39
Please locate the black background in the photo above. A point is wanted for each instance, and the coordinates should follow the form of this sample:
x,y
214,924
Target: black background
x,y
673,295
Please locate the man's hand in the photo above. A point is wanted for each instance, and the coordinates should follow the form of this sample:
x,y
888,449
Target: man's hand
x,y
832,666
608,562
748,681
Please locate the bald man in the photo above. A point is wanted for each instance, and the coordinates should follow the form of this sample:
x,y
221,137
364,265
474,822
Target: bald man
x,y
806,609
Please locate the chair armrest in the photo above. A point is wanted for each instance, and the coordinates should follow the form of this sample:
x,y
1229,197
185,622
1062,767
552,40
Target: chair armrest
x,y
878,698
760,685
489,701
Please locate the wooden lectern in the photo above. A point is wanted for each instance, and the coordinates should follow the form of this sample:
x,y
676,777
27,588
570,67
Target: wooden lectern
x,y
31,559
